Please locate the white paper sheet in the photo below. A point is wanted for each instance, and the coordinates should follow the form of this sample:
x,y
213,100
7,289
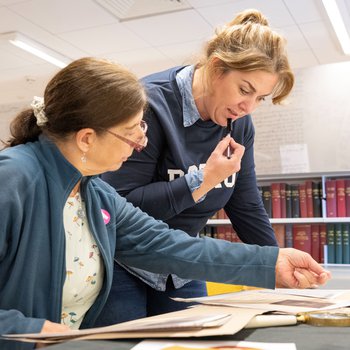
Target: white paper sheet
x,y
277,300
163,344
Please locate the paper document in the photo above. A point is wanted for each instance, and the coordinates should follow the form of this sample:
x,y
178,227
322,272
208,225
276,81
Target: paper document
x,y
279,300
312,293
198,321
205,345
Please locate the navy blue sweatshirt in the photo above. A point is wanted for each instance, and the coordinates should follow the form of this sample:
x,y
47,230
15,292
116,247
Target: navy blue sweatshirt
x,y
152,179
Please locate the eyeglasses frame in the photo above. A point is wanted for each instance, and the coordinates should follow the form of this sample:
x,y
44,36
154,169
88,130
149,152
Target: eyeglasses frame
x,y
137,146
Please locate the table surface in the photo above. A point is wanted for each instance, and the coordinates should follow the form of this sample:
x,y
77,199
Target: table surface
x,y
304,336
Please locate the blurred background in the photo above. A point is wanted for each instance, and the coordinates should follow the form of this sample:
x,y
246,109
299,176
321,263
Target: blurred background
x,y
146,35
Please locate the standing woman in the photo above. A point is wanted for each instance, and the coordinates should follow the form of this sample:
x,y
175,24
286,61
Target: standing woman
x,y
174,180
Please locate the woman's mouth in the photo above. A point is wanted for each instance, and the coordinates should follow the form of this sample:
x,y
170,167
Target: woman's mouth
x,y
232,114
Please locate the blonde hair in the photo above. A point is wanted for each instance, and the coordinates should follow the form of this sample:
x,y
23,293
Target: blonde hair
x,y
247,43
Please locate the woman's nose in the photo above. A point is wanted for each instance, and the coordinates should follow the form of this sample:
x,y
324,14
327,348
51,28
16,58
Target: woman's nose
x,y
247,106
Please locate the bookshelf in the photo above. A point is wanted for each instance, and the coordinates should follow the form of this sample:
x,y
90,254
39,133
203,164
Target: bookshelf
x,y
296,179
324,235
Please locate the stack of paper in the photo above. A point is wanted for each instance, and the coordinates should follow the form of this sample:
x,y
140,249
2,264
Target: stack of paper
x,y
224,314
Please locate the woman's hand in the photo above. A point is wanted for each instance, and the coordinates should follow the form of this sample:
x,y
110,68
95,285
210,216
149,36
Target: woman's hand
x,y
218,167
52,327
297,269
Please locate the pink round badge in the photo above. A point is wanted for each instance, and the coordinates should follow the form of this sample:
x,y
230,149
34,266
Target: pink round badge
x,y
106,217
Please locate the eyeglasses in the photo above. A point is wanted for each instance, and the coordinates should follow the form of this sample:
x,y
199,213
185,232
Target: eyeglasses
x,y
137,146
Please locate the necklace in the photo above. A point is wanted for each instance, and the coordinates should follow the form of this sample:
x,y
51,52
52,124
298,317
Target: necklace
x,y
80,211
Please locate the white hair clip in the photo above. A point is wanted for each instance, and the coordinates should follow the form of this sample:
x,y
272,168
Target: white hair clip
x,y
38,106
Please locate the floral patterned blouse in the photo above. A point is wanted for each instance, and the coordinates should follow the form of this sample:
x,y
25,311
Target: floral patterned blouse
x,y
84,265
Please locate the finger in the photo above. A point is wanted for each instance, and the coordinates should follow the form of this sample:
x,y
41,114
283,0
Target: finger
x,y
223,144
312,265
323,277
302,281
311,277
237,149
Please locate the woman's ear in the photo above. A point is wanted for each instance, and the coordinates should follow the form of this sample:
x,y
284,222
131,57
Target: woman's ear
x,y
85,138
216,67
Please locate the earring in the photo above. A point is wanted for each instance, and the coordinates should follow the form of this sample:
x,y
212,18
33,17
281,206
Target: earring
x,y
83,158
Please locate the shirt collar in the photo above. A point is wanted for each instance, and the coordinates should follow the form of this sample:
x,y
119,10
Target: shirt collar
x,y
184,81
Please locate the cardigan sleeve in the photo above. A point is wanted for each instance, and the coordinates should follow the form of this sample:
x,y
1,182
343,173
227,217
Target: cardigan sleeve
x,y
146,243
11,198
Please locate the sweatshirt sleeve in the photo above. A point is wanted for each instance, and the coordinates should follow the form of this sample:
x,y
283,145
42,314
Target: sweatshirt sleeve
x,y
146,243
137,179
245,207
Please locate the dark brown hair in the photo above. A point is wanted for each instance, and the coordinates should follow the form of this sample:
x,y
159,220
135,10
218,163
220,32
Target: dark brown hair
x,y
88,93
247,43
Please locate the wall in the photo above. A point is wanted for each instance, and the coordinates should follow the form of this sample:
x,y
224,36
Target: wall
x,y
311,133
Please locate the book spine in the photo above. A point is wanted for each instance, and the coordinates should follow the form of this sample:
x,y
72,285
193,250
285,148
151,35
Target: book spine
x,y
330,244
267,200
280,234
288,194
346,245
302,237
316,199
221,232
338,242
323,241
309,199
331,199
315,242
302,200
340,194
276,200
347,197
295,200
289,236
283,200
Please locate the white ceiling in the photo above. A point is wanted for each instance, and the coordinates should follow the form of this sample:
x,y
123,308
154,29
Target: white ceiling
x,y
77,28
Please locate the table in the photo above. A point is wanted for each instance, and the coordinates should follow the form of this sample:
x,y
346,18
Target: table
x,y
304,336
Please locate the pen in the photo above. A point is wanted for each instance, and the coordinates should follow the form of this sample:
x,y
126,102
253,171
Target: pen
x,y
228,132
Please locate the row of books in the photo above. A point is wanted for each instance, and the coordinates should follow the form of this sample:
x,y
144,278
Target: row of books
x,y
225,232
304,200
326,243
283,200
338,197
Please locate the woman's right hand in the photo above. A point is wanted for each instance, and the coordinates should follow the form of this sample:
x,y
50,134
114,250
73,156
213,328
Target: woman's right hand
x,y
218,167
52,327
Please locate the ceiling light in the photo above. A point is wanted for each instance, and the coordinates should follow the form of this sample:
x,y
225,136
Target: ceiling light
x,y
23,42
337,21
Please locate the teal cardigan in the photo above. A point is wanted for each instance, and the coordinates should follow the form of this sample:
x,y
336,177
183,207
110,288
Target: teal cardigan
x,y
35,183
